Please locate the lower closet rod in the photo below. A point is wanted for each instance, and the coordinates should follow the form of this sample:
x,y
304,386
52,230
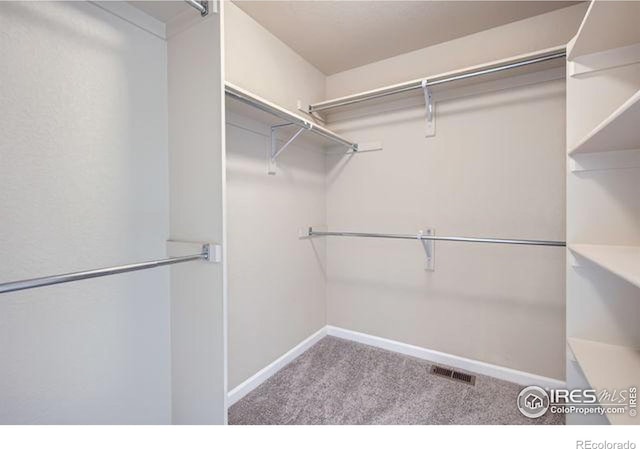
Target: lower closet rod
x,y
438,237
99,272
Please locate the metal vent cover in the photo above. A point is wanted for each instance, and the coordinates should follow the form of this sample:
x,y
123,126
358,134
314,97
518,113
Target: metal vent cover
x,y
458,376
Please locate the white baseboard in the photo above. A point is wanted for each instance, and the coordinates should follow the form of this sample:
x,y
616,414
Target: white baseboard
x,y
470,365
265,373
473,366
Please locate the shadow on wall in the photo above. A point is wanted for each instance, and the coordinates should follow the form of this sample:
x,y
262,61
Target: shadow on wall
x,y
462,324
617,190
251,159
403,111
614,299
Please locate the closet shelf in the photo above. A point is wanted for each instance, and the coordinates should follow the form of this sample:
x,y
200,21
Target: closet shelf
x,y
608,367
607,25
256,107
623,261
617,132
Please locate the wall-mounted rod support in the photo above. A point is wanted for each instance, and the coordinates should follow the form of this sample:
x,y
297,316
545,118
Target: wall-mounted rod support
x,y
433,81
252,100
313,233
430,129
202,6
81,275
275,151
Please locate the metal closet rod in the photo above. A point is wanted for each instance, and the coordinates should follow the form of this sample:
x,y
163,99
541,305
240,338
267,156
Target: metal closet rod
x,y
25,284
434,81
438,237
202,6
252,100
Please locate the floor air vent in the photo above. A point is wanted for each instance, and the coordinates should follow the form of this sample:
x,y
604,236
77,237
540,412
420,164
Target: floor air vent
x,y
455,375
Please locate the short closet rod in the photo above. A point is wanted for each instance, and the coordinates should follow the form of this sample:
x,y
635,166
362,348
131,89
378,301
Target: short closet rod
x,y
251,100
202,6
25,284
332,136
313,233
433,81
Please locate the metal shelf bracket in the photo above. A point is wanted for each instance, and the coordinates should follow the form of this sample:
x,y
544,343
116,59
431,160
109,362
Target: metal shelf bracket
x,y
275,151
430,130
429,249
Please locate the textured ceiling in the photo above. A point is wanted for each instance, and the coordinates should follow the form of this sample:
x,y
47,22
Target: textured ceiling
x,y
339,35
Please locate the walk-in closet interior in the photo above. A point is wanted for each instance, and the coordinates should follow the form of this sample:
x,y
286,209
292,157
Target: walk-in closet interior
x,y
322,212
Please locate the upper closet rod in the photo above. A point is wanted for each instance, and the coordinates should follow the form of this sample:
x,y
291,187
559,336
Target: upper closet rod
x,y
252,100
80,275
433,81
312,233
202,6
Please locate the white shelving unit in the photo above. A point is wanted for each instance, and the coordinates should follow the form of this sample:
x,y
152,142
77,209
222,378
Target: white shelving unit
x,y
603,135
605,27
619,131
596,360
623,261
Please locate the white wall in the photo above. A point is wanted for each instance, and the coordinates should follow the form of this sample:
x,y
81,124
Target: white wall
x,y
276,281
258,61
196,143
83,184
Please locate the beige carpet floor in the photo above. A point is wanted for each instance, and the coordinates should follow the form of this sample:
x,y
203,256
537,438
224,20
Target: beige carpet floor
x,y
341,382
